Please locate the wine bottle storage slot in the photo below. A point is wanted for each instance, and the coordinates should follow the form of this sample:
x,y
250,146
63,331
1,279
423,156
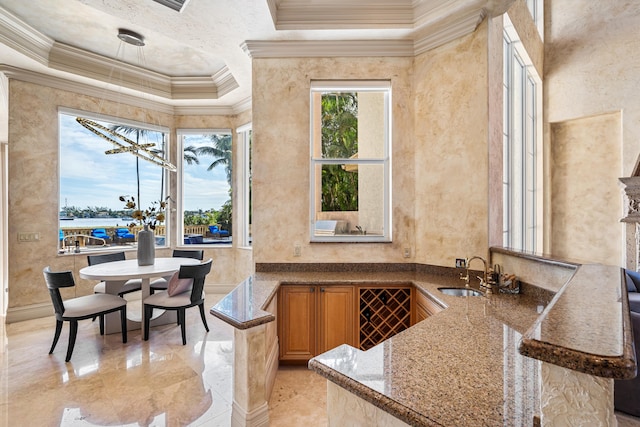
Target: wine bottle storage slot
x,y
383,313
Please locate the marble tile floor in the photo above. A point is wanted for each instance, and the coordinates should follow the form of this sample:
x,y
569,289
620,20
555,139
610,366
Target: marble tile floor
x,y
155,383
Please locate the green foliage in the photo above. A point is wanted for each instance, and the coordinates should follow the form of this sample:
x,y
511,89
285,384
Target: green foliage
x,y
224,217
339,140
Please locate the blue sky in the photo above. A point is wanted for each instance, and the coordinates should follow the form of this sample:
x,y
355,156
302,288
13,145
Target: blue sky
x,y
89,177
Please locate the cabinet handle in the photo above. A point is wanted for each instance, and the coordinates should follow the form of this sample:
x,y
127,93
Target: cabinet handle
x,y
312,289
321,289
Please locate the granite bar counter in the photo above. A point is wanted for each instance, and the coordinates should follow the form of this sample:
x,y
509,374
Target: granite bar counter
x,y
459,367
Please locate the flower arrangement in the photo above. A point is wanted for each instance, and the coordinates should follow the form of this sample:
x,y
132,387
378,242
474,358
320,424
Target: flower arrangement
x,y
149,217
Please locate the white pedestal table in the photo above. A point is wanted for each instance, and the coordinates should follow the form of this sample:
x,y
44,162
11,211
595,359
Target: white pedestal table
x,y
116,273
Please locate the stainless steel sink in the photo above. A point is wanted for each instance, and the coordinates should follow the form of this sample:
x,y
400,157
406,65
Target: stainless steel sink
x,y
460,292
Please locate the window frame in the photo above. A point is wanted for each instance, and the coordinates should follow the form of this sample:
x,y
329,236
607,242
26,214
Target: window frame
x,y
180,133
522,147
100,117
385,161
243,196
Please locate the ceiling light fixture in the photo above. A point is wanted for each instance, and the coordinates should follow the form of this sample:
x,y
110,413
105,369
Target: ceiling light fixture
x,y
130,37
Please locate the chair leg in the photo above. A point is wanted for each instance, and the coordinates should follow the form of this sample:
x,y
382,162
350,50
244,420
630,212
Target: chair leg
x,y
101,324
73,331
57,335
204,319
182,325
147,316
123,323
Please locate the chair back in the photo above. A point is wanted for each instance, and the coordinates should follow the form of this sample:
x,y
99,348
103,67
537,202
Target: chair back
x,y
55,281
195,254
100,259
197,273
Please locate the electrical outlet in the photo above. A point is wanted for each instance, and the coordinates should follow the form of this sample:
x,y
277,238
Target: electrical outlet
x,y
407,252
461,263
297,249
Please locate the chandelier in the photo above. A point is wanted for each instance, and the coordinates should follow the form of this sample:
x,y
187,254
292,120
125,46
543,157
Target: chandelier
x,y
122,143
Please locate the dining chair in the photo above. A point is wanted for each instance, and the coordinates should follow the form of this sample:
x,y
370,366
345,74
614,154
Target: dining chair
x,y
131,285
192,295
74,309
161,283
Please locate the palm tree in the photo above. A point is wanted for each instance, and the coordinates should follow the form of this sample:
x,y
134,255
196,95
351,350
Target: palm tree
x,y
221,150
190,155
139,133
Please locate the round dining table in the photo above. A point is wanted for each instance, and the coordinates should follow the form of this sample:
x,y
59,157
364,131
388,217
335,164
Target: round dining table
x,y
116,273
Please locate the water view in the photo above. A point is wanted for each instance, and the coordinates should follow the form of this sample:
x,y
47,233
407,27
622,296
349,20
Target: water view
x,y
95,222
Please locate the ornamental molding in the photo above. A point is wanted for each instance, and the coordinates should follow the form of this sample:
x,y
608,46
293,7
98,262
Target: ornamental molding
x,y
631,188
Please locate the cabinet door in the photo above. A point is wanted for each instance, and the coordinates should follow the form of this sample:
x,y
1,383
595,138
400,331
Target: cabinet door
x,y
425,307
336,317
297,322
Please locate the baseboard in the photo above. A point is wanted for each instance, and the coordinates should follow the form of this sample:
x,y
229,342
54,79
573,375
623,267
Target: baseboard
x,y
28,312
259,417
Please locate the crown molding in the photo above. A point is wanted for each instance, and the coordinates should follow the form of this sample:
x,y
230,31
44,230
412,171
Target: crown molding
x,y
82,88
224,81
10,72
447,30
344,15
326,48
22,38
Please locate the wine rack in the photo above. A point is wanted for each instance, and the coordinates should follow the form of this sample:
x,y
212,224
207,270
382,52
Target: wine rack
x,y
383,313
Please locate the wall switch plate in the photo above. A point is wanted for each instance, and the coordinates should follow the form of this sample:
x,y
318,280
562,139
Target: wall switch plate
x,y
28,237
407,252
461,263
297,249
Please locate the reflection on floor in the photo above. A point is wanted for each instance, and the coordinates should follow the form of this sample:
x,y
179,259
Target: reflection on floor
x,y
155,383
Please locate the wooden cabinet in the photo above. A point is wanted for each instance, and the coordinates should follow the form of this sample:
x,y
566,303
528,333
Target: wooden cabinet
x,y
425,307
314,319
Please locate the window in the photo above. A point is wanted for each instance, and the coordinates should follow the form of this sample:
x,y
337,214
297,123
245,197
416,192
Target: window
x,y
536,8
244,192
204,188
91,216
522,141
350,161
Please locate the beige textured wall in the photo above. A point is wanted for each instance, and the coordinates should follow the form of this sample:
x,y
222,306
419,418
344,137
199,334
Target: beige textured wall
x,y
281,158
451,150
592,58
585,196
33,189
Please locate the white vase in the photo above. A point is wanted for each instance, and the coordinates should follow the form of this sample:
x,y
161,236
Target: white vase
x,y
146,246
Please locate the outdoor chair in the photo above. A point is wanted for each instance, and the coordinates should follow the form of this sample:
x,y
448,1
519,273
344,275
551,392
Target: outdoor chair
x,y
80,308
161,284
132,285
122,235
101,233
187,292
215,231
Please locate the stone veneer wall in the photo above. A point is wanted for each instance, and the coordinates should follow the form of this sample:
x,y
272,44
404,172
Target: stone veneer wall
x,y
33,191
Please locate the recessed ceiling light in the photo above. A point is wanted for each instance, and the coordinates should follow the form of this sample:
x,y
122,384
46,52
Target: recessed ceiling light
x,y
173,4
130,37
